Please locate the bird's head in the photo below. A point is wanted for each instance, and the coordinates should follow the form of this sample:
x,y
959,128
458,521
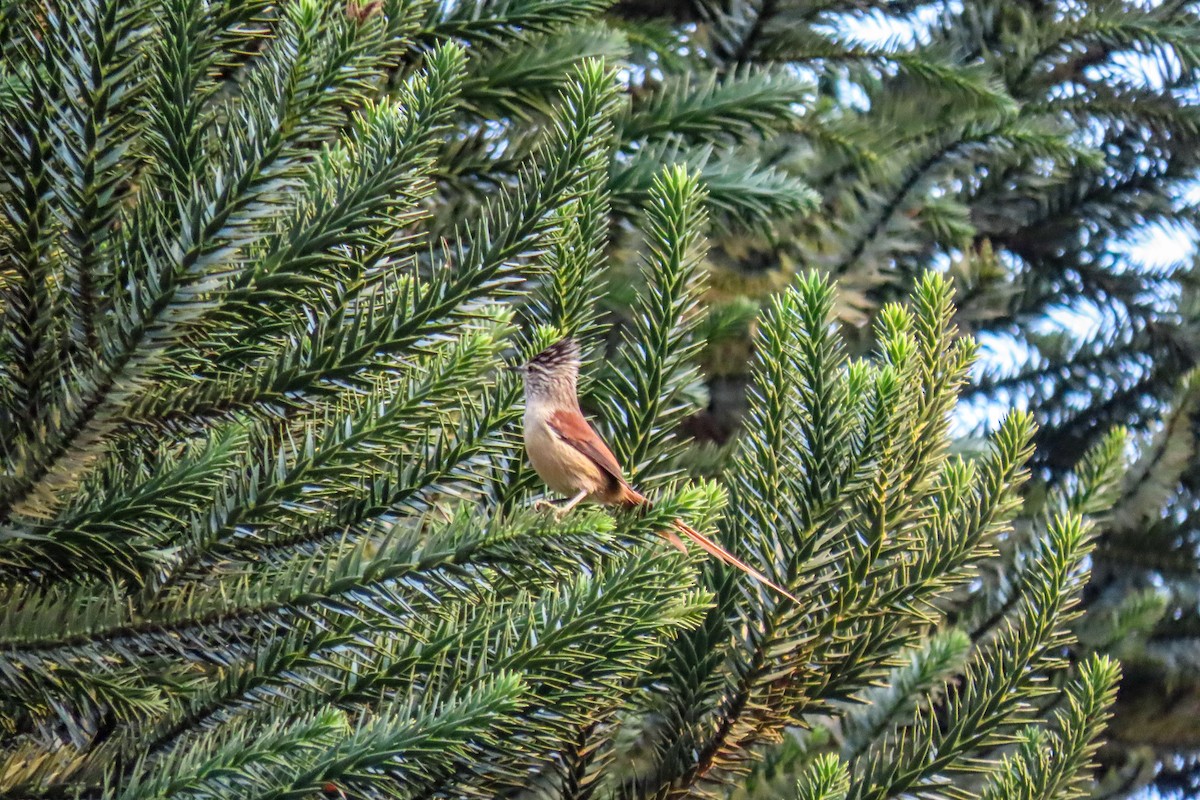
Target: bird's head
x,y
552,373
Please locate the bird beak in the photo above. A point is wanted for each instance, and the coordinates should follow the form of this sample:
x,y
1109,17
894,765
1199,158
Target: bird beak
x,y
512,367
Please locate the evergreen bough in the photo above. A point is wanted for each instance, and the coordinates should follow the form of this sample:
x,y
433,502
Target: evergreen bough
x,y
1045,154
264,528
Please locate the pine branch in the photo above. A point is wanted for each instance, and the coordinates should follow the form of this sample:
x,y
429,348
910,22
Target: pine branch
x,y
826,779
907,689
299,759
987,697
290,85
124,536
523,82
736,108
344,233
1154,476
1108,25
852,548
740,194
645,397
27,239
937,73
1048,764
507,22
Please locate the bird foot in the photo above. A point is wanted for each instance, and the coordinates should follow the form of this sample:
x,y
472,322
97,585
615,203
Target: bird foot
x,y
563,510
557,511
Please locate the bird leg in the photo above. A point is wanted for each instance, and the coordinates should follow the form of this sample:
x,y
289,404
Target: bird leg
x,y
574,501
542,504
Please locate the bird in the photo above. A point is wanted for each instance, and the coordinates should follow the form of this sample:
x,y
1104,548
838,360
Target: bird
x,y
573,461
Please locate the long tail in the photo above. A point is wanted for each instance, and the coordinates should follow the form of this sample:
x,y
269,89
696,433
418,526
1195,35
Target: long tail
x,y
631,497
721,554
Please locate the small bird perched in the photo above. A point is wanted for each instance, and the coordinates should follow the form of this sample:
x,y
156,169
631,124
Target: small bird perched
x,y
573,460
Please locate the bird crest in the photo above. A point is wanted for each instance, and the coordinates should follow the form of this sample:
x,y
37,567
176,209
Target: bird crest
x,y
563,354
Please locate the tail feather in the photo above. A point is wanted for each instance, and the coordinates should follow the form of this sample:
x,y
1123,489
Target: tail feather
x,y
631,498
675,541
721,554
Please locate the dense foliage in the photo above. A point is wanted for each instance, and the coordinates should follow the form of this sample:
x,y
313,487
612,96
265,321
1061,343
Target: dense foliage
x,y
1044,154
265,524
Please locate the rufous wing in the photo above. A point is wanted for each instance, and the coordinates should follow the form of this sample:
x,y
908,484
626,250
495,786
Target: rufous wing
x,y
573,429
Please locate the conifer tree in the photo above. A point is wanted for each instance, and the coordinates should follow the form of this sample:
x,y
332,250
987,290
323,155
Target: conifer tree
x,y
265,528
1023,147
